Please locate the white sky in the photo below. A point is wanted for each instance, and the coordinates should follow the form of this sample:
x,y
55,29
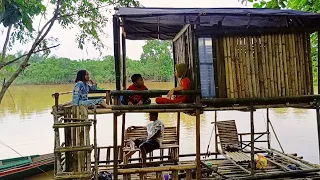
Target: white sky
x,y
67,39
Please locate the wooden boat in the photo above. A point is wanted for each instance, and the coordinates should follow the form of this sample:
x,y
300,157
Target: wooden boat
x,y
23,167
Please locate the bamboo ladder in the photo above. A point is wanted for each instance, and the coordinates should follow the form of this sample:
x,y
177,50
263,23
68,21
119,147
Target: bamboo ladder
x,y
77,148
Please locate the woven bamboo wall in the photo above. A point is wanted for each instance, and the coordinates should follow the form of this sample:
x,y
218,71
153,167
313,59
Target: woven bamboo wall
x,y
264,66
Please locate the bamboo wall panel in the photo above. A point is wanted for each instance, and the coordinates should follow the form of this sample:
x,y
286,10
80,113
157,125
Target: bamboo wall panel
x,y
183,47
268,65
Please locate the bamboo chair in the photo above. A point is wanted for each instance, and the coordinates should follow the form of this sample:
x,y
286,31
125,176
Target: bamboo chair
x,y
228,135
170,141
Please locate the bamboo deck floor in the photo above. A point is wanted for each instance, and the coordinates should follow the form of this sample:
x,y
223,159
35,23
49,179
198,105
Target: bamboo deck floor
x,y
231,171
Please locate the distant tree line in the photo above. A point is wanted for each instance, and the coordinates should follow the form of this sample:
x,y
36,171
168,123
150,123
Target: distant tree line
x,y
156,64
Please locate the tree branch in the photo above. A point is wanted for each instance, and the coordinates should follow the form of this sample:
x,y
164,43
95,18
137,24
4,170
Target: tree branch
x,y
4,49
2,65
38,40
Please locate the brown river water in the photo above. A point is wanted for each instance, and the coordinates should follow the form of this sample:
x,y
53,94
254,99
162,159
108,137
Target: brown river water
x,y
26,124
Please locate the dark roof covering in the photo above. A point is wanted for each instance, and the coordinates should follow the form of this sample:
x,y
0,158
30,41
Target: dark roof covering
x,y
165,23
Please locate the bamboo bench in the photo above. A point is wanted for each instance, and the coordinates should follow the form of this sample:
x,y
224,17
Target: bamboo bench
x,y
170,141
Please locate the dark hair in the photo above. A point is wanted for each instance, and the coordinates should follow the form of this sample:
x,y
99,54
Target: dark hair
x,y
135,77
81,75
154,114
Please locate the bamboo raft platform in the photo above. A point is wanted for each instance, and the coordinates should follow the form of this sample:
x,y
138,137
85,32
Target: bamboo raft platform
x,y
256,59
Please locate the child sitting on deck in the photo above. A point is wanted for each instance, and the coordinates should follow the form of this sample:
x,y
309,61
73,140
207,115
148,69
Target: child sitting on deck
x,y
180,73
155,131
138,85
81,90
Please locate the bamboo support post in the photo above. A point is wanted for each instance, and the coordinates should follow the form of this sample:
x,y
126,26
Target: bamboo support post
x,y
123,126
178,129
318,124
216,132
188,174
268,129
252,141
318,67
96,154
115,145
198,150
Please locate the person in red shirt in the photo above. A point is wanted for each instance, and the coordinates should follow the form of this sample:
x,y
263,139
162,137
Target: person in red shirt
x,y
138,85
180,73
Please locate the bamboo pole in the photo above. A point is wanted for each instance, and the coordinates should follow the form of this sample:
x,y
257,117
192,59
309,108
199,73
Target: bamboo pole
x,y
247,61
289,66
96,157
242,63
271,67
266,78
284,61
298,62
268,129
252,142
198,148
233,72
178,129
260,101
274,64
115,146
318,124
252,67
216,133
230,68
302,65
257,69
307,62
318,68
277,59
310,65
237,66
282,71
296,72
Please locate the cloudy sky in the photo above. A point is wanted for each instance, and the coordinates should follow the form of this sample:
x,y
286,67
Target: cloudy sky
x,y
68,47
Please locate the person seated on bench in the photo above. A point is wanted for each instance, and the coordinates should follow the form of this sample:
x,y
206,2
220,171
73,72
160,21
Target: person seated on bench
x,y
155,131
180,73
81,89
138,85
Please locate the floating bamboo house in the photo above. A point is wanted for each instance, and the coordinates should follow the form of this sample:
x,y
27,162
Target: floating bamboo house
x,y
240,59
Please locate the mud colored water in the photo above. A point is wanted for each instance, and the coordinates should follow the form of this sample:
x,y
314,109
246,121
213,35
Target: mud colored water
x,y
26,124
